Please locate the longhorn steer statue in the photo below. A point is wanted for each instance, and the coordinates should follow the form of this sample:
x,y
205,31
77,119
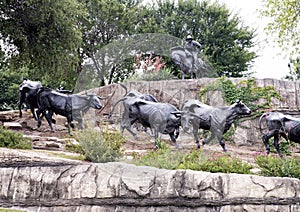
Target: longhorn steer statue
x,y
160,117
278,125
127,99
28,94
71,106
216,119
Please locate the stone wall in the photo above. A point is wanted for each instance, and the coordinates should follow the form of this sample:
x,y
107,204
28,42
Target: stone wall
x,y
176,91
35,182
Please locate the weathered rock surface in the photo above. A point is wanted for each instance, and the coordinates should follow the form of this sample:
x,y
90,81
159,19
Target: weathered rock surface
x,y
44,183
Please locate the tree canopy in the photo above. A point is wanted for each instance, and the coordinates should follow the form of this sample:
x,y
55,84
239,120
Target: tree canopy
x,y
284,23
224,39
50,41
45,36
284,28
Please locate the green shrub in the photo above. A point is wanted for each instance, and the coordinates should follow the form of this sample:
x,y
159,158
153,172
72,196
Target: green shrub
x,y
100,146
284,146
11,139
164,157
277,167
76,148
196,160
163,74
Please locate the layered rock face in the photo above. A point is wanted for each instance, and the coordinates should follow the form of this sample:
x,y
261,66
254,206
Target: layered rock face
x,y
43,183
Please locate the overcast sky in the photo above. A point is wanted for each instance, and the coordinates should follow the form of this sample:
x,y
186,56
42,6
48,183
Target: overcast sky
x,y
270,63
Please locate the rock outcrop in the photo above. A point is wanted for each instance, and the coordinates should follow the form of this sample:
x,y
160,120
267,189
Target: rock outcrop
x,y
44,183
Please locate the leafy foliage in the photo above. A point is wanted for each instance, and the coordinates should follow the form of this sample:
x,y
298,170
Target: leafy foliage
x,y
246,90
284,23
224,40
277,167
166,158
44,36
100,146
107,20
163,158
13,140
163,74
284,146
9,94
214,163
53,38
294,66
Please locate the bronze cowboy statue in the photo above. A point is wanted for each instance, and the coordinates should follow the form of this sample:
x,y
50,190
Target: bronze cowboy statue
x,y
187,58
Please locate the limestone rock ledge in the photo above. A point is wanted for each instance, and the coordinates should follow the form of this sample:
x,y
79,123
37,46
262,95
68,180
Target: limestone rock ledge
x,y
62,185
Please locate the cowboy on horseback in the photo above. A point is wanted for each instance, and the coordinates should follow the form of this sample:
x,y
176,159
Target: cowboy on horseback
x,y
191,49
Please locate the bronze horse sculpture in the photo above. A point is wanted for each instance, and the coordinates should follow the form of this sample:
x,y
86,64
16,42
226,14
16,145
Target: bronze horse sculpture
x,y
185,61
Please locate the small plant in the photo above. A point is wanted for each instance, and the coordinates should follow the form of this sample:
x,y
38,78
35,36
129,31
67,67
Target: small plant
x,y
100,146
164,157
196,160
14,140
76,148
151,68
277,167
163,74
284,146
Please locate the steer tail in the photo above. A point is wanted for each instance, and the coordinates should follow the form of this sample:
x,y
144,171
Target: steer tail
x,y
260,121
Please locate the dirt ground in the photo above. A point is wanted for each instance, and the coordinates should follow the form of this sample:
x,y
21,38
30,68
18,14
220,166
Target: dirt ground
x,y
145,142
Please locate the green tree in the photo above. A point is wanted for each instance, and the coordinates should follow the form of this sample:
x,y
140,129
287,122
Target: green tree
x,y
107,21
224,39
284,23
45,37
284,28
294,66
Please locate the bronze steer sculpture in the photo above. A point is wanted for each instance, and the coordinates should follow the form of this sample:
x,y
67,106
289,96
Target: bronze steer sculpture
x,y
126,99
278,125
28,94
160,117
216,119
70,106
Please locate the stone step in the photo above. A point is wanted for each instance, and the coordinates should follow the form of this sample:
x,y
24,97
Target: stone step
x,y
12,125
7,115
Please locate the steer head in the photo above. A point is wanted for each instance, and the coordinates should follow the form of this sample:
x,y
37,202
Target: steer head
x,y
95,102
28,84
188,119
240,108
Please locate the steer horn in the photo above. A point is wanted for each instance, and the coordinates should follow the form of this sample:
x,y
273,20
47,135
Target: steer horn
x,y
126,89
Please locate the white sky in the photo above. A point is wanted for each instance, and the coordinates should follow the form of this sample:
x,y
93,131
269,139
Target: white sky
x,y
272,62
